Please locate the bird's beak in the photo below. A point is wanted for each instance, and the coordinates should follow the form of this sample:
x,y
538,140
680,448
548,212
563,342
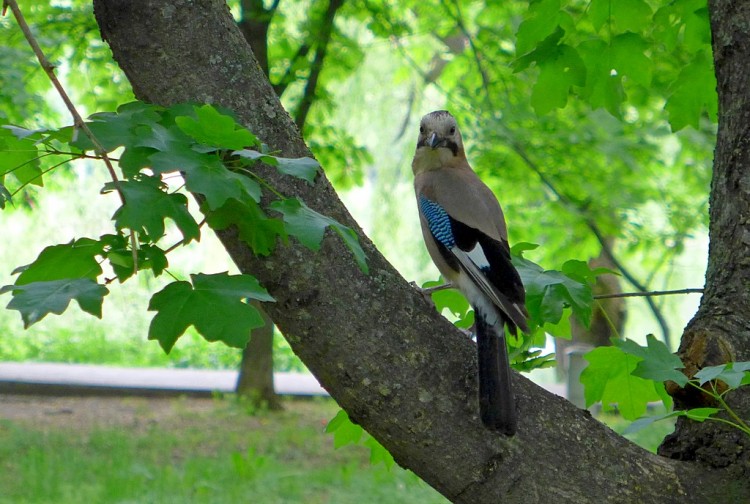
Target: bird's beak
x,y
433,141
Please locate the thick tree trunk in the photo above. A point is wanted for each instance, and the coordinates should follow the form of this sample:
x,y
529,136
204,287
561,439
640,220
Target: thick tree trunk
x,y
720,331
398,368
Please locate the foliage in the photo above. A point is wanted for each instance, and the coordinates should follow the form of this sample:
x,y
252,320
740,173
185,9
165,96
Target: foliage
x,y
630,376
214,156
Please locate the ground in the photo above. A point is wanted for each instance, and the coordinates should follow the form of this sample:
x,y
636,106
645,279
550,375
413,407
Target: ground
x,y
186,450
87,413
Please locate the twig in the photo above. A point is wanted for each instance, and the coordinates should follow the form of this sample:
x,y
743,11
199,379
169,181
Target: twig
x,y
78,122
458,17
649,293
324,37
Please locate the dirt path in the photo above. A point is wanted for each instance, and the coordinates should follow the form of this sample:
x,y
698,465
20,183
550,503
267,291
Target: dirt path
x,y
90,412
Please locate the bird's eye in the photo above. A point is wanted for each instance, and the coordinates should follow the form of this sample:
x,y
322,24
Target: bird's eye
x,y
453,130
421,129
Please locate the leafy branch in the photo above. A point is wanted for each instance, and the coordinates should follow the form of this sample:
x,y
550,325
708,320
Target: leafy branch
x,y
630,376
78,121
214,156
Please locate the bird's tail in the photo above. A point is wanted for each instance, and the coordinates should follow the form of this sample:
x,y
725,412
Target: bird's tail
x,y
497,405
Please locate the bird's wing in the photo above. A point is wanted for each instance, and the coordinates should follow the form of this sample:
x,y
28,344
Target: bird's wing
x,y
484,259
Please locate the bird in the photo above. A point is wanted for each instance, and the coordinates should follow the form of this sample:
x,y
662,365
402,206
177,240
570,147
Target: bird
x,y
465,233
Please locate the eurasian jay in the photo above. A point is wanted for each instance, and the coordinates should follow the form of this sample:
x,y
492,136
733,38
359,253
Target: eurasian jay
x,y
464,230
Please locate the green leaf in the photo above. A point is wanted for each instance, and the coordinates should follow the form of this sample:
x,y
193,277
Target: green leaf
x,y
560,68
309,226
519,248
628,52
19,157
608,378
693,92
344,430
210,127
701,414
218,184
602,89
733,373
658,363
378,453
540,22
304,168
120,257
146,206
212,304
76,259
549,292
583,273
620,15
644,422
36,300
115,129
256,229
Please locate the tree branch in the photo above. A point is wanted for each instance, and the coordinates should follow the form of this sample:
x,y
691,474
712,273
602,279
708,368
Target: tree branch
x,y
649,293
78,122
324,38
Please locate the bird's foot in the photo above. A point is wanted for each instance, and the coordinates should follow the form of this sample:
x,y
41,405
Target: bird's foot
x,y
427,292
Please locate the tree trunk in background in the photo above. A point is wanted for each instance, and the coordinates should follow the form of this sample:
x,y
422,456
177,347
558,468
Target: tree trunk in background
x,y
720,331
399,369
255,380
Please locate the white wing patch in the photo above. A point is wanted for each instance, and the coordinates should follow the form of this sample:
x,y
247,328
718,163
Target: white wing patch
x,y
477,256
471,264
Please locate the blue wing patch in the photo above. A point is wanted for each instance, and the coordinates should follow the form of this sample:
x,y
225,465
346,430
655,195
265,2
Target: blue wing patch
x,y
438,221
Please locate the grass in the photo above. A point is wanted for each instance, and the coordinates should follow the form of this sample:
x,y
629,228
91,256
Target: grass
x,y
193,456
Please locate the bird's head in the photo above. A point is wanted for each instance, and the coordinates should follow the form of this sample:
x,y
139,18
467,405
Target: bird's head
x,y
439,142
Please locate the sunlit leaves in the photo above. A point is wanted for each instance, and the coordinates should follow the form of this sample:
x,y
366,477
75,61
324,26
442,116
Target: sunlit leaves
x,y
212,128
693,93
619,15
18,157
591,51
560,68
658,363
608,378
214,304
